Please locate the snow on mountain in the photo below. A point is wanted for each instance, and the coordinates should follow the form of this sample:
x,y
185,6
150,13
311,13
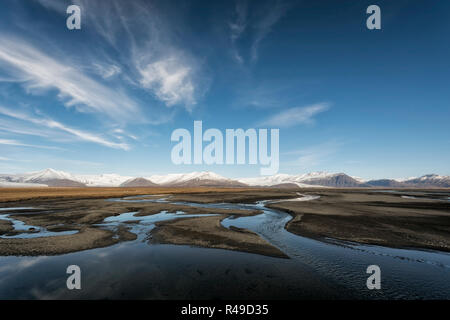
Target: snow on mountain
x,y
301,180
178,178
52,177
45,175
102,180
359,179
60,178
429,180
8,184
426,181
267,180
428,177
404,179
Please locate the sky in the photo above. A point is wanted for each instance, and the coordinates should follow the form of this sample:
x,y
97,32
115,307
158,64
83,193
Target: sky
x,y
106,98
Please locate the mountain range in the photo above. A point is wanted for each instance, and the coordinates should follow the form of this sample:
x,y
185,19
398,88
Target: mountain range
x,y
54,178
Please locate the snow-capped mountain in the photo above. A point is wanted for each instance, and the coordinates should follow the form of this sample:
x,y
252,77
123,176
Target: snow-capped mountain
x,y
313,179
138,183
426,181
337,180
47,177
47,174
429,180
55,178
194,179
359,179
102,180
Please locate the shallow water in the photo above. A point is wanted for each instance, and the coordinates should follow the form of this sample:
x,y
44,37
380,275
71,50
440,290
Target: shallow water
x,y
406,274
316,269
27,231
425,198
17,208
144,224
421,195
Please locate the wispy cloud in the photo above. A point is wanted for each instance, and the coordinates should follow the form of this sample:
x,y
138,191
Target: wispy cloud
x,y
120,133
152,58
16,143
237,27
13,127
13,160
254,23
107,71
295,116
52,124
312,156
273,12
37,70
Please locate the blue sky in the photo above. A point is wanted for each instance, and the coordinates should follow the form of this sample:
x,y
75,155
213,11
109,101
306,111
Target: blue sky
x,y
370,103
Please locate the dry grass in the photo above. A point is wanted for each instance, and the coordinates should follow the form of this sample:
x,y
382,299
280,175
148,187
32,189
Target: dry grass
x,y
20,194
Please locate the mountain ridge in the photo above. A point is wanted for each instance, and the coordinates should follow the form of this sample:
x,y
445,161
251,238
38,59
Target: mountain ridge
x,y
54,178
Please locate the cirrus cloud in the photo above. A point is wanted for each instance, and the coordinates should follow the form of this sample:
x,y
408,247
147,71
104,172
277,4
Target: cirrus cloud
x,y
40,71
295,116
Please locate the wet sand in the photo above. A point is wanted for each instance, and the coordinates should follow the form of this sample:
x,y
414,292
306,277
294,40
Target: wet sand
x,y
61,214
368,217
5,226
86,238
208,232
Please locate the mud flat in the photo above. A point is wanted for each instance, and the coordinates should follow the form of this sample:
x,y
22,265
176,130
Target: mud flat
x,y
86,238
372,217
208,232
5,226
83,216
367,216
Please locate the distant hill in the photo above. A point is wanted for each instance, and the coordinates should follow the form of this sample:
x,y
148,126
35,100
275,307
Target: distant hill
x,y
338,180
60,183
138,183
48,177
429,181
55,178
195,179
313,179
388,183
